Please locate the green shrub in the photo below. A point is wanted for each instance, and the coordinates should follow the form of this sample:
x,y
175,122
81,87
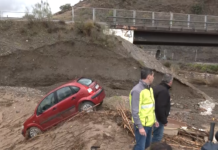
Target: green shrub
x,y
65,7
197,9
167,64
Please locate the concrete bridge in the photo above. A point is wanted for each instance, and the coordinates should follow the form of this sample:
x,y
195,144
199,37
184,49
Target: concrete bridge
x,y
156,28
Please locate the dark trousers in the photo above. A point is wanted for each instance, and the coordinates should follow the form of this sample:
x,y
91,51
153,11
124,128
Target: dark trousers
x,y
142,142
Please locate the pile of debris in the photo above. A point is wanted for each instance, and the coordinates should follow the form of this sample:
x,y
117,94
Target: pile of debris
x,y
186,137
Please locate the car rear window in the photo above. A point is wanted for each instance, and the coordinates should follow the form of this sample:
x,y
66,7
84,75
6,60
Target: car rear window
x,y
85,81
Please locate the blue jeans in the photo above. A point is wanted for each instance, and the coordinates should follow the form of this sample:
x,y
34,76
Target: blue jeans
x,y
142,142
158,133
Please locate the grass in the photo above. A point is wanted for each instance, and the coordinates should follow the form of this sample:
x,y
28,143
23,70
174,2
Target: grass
x,y
207,68
94,32
202,68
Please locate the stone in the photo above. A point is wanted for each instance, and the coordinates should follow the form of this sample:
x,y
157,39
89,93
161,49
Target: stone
x,y
181,106
107,135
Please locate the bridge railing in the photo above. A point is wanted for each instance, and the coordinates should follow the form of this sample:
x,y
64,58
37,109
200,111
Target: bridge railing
x,y
145,18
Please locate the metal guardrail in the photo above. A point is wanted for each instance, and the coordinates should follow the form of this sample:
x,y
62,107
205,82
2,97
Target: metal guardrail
x,y
159,22
145,18
134,18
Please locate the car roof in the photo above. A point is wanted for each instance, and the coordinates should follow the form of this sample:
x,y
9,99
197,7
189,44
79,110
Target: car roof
x,y
70,83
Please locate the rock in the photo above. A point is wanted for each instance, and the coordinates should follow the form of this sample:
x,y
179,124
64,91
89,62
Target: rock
x,y
28,100
181,106
119,121
172,104
17,111
107,135
109,127
196,106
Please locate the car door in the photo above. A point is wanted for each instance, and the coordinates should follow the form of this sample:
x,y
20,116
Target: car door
x,y
48,112
67,101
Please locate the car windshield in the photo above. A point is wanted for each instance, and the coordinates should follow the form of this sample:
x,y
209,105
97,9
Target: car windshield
x,y
85,81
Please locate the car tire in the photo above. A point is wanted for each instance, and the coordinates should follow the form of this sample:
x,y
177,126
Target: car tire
x,y
87,105
34,131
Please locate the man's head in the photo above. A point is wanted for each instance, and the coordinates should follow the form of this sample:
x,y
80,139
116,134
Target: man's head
x,y
161,146
168,79
147,75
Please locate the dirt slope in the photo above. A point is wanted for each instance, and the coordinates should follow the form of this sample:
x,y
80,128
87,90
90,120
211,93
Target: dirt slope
x,y
82,132
41,56
186,6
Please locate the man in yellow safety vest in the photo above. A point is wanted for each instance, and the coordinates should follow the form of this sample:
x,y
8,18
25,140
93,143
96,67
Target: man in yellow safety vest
x,y
142,105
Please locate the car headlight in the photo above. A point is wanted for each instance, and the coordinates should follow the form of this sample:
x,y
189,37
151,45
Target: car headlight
x,y
22,127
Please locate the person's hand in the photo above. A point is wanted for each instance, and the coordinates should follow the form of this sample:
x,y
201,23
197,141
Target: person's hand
x,y
156,124
142,131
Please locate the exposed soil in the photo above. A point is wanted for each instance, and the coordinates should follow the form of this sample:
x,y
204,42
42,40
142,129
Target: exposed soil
x,y
80,133
47,60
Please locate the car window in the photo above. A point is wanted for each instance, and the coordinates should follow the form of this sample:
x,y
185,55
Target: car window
x,y
85,81
48,102
64,93
75,89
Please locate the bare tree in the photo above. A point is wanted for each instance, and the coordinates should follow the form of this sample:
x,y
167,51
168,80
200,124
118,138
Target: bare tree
x,y
42,11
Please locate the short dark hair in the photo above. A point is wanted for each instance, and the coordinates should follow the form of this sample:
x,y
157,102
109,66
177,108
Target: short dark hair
x,y
145,72
161,146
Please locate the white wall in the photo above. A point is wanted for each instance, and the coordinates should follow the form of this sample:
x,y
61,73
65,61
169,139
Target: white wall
x,y
125,34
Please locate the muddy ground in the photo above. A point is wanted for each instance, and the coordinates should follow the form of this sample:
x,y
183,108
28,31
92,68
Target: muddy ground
x,y
79,133
47,60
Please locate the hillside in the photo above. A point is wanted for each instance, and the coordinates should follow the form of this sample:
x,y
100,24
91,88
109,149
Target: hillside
x,y
207,7
37,56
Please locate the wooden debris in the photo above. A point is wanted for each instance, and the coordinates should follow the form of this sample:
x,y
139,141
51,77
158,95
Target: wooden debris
x,y
187,138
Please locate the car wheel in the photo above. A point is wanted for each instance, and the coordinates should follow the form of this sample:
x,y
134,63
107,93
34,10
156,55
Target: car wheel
x,y
34,131
87,105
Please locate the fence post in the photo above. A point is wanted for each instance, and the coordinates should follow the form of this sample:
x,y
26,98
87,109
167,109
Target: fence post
x,y
196,54
188,23
93,14
205,22
114,15
171,19
153,17
134,15
73,16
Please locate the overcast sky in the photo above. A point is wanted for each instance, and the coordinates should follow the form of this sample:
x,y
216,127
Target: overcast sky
x,y
20,5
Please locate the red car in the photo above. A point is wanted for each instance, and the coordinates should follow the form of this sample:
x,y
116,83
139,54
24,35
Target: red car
x,y
62,103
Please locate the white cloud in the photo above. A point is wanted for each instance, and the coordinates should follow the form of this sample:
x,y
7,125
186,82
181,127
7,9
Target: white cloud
x,y
20,5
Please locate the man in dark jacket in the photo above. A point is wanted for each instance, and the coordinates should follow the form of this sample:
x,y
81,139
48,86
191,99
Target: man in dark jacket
x,y
162,106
